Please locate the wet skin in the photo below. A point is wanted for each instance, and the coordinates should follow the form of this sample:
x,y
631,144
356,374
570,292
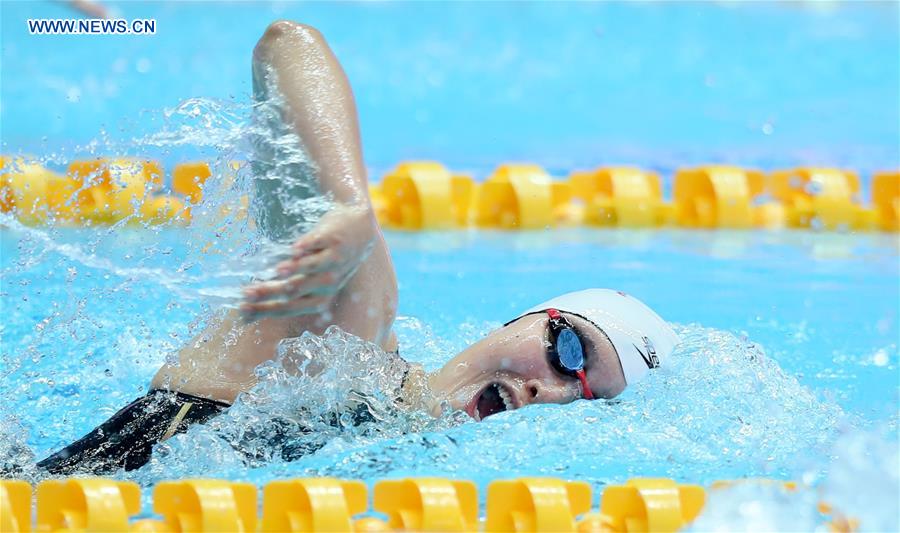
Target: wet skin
x,y
514,360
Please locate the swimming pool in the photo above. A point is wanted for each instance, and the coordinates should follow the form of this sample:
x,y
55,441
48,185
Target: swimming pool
x,y
780,356
790,358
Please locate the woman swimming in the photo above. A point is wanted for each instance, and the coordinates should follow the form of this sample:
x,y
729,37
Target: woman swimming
x,y
587,344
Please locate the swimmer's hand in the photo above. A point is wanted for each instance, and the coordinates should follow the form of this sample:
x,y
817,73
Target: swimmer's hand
x,y
322,262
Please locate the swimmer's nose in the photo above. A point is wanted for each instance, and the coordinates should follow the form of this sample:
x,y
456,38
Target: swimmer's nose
x,y
539,391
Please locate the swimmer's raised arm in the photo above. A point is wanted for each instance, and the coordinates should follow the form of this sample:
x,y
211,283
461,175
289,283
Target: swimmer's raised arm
x,y
340,272
305,102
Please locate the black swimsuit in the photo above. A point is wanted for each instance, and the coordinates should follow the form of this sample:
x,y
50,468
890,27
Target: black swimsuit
x,y
126,440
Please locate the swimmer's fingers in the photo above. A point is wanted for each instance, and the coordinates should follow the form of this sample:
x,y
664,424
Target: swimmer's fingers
x,y
334,231
304,264
306,305
313,242
325,283
343,226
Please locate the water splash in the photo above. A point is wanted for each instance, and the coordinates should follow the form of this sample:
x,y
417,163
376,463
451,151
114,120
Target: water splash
x,y
201,122
319,395
14,449
228,248
858,489
759,506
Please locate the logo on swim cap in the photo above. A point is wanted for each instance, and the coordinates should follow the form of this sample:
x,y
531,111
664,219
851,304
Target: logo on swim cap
x,y
653,360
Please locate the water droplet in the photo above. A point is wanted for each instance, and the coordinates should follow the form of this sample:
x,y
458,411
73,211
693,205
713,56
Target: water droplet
x,y
143,65
73,94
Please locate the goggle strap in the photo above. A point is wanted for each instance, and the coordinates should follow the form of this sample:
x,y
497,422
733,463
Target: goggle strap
x,y
582,376
585,388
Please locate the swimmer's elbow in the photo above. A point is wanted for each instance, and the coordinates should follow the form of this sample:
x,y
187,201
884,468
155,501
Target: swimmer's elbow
x,y
280,28
289,31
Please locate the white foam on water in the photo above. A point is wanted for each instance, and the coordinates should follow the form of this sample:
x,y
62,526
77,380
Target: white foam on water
x,y
863,481
753,505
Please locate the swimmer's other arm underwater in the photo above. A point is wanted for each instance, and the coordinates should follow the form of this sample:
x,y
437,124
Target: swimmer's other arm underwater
x,y
586,344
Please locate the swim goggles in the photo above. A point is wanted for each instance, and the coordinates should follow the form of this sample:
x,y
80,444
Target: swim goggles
x,y
566,352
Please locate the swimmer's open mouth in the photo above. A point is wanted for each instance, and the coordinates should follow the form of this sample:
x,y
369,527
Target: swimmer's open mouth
x,y
495,398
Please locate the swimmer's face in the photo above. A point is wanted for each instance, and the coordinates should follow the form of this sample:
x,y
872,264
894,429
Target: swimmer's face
x,y
510,369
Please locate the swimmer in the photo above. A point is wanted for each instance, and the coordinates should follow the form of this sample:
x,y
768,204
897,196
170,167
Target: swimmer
x,y
587,344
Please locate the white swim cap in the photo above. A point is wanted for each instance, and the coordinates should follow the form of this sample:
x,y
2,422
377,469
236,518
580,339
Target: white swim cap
x,y
641,338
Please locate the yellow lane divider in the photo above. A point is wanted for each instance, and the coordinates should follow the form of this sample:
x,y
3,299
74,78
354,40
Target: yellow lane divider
x,y
620,196
328,504
425,195
419,195
91,504
428,504
536,504
652,505
15,506
515,197
886,200
322,504
716,197
188,180
707,197
821,196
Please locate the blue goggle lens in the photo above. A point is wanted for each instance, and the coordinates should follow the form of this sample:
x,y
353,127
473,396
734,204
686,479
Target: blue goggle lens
x,y
569,351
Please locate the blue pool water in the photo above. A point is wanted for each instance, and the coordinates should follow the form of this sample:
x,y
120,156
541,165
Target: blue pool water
x,y
789,366
790,342
563,84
